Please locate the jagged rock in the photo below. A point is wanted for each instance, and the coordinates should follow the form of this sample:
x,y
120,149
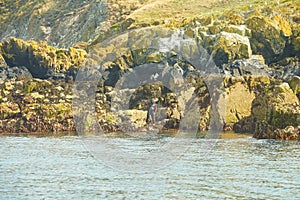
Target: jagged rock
x,y
255,66
39,58
231,46
238,101
276,108
285,68
14,73
269,35
295,85
239,95
238,29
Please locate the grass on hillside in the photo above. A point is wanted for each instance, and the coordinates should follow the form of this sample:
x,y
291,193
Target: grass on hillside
x,y
168,10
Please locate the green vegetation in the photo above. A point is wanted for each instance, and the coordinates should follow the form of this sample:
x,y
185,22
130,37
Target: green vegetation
x,y
168,11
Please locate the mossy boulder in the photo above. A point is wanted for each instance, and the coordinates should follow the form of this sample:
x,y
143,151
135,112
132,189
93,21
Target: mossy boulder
x,y
272,102
39,58
231,46
269,35
239,95
276,108
294,83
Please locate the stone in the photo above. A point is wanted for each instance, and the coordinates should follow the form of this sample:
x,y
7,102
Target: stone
x,y
238,101
39,58
294,83
269,35
229,47
252,66
276,108
154,57
238,29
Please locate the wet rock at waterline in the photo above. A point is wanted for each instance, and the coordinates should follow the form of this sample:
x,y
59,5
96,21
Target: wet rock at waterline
x,y
276,108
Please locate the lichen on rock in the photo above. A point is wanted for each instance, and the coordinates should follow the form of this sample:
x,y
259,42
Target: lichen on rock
x,y
274,109
231,46
39,58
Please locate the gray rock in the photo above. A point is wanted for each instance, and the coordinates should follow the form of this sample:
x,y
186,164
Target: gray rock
x,y
14,73
253,66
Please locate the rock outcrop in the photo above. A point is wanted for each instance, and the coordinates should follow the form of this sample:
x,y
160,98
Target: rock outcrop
x,y
229,47
269,35
190,65
42,106
41,60
274,109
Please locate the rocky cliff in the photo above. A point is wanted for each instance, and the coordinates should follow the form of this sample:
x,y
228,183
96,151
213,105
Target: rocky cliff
x,y
235,70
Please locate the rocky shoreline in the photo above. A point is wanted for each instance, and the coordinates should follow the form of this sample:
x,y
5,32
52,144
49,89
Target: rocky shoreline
x,y
255,54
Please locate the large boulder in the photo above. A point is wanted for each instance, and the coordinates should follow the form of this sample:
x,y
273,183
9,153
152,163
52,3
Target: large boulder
x,y
40,59
269,35
274,109
239,95
255,65
229,47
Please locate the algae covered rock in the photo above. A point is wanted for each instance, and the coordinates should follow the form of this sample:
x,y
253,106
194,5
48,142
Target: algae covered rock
x,y
274,109
39,58
239,94
294,83
231,46
255,65
269,35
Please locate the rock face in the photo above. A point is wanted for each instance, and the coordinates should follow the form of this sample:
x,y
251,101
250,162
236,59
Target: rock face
x,y
269,35
231,46
238,35
40,59
239,94
59,23
19,73
245,48
276,108
42,106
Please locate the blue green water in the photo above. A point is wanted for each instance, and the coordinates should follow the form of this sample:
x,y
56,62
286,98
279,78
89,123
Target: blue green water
x,y
63,168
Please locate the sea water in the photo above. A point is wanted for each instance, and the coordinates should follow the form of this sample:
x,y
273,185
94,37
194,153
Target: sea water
x,y
65,168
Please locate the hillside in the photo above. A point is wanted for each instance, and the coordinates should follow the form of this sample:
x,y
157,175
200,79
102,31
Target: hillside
x,y
63,24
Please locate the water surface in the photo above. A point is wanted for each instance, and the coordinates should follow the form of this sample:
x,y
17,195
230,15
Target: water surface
x,y
63,168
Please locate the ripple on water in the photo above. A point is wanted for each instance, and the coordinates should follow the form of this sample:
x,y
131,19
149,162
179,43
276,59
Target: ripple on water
x,y
62,168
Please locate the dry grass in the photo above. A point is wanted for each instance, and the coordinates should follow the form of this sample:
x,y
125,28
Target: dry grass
x,y
151,11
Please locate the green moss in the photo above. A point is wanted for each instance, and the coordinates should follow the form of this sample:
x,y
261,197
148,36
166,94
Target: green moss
x,y
29,87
